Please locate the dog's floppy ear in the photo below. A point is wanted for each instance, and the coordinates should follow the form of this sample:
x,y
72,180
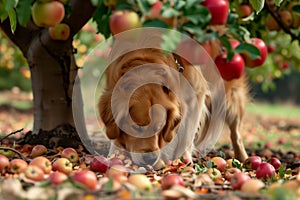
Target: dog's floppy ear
x,y
112,130
168,131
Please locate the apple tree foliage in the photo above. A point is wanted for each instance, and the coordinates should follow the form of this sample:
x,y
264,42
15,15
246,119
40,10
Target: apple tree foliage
x,y
187,16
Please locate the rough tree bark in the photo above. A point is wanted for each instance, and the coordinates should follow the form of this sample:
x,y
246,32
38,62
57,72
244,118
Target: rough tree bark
x,y
53,72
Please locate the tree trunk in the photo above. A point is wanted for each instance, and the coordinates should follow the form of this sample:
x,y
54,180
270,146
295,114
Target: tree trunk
x,y
53,72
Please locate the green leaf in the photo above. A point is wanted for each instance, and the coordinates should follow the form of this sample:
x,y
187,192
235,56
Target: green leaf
x,y
278,2
257,5
179,4
23,11
250,49
296,8
169,12
13,20
171,38
109,185
3,15
225,42
198,14
190,3
191,28
155,23
9,4
101,17
94,2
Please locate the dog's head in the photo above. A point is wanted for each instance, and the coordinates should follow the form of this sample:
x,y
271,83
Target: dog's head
x,y
152,114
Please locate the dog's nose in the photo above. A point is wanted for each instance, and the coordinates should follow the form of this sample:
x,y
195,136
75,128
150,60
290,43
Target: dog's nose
x,y
150,158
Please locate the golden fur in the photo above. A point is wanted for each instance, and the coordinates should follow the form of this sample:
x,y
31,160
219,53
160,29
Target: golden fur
x,y
148,95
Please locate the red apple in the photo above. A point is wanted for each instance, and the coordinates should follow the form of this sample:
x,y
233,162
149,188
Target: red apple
x,y
57,177
285,65
71,154
87,178
271,48
218,9
123,20
230,172
155,10
252,162
234,43
38,150
252,186
115,161
275,162
261,45
171,180
17,166
47,14
141,182
238,179
42,163
192,52
4,163
34,173
60,32
286,17
232,69
244,10
62,165
214,173
220,163
265,170
99,164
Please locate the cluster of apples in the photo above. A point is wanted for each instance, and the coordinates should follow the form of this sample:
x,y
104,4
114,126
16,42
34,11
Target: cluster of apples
x,y
288,16
234,68
50,14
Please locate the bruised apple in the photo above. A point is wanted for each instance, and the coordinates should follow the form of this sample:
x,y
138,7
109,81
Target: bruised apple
x,y
123,20
48,14
60,32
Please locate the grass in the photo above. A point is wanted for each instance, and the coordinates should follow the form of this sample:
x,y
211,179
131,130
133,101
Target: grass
x,y
275,110
262,127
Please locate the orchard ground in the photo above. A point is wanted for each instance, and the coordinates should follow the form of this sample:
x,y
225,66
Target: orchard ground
x,y
268,131
266,125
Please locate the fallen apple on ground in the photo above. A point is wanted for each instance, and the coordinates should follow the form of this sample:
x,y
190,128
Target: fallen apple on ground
x,y
71,154
87,178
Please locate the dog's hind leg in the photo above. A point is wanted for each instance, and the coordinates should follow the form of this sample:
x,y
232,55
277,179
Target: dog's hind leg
x,y
237,141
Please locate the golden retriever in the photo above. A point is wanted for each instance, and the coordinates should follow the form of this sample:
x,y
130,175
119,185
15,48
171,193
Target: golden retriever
x,y
143,128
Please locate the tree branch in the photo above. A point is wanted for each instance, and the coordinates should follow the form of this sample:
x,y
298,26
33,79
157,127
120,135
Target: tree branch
x,y
286,29
21,37
82,11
